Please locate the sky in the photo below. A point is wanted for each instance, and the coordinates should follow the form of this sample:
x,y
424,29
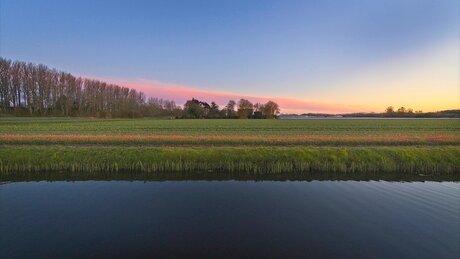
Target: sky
x,y
309,56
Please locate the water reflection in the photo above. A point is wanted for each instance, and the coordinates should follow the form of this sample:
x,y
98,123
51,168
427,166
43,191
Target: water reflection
x,y
223,176
230,218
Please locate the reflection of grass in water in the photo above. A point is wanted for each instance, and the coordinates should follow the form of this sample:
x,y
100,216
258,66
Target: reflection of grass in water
x,y
223,176
250,160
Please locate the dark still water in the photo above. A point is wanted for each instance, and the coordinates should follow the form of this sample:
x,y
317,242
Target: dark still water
x,y
230,219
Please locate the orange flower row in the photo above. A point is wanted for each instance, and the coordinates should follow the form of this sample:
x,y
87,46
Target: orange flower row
x,y
229,138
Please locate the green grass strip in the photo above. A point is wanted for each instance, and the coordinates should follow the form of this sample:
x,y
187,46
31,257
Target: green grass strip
x,y
251,160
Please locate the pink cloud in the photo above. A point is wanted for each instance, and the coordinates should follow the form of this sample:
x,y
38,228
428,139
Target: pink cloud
x,y
180,94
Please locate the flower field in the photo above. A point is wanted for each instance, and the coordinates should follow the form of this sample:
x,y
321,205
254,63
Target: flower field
x,y
230,140
251,146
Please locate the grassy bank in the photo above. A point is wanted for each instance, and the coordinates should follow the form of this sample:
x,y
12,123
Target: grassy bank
x,y
254,160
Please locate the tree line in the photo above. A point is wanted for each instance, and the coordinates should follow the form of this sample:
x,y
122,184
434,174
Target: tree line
x,y
244,109
36,90
390,111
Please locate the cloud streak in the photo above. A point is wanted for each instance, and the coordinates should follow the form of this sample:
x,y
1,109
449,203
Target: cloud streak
x,y
180,94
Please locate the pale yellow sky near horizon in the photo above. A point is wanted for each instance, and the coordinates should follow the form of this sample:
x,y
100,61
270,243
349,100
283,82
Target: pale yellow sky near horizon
x,y
428,80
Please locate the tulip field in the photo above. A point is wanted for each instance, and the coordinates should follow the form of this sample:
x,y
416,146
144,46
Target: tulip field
x,y
251,146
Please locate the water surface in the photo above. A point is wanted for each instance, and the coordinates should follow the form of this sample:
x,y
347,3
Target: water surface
x,y
230,218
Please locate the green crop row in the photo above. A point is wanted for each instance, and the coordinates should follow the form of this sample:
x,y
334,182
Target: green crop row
x,y
253,160
222,127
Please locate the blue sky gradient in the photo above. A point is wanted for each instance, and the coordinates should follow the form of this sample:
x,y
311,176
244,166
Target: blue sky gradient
x,y
294,49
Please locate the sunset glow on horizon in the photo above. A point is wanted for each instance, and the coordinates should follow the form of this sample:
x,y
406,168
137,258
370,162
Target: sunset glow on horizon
x,y
411,82
180,94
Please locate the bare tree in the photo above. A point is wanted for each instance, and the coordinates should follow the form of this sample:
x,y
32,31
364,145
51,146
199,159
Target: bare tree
x,y
230,109
245,109
390,109
270,109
